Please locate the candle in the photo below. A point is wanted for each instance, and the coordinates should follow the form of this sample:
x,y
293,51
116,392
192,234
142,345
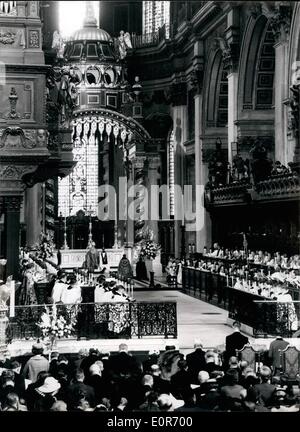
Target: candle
x,y
232,281
227,280
12,299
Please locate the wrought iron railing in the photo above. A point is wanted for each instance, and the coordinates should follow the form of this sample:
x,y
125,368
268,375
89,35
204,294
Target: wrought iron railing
x,y
276,318
263,316
100,320
150,39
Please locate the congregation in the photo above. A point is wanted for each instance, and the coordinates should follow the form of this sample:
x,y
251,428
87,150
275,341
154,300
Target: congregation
x,y
203,380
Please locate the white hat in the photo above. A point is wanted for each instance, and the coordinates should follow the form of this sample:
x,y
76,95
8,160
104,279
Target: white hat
x,y
50,385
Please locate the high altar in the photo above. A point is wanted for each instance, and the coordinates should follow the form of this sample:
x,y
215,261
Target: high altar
x,y
74,258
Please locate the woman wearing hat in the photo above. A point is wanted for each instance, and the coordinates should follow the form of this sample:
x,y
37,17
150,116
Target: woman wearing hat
x,y
47,394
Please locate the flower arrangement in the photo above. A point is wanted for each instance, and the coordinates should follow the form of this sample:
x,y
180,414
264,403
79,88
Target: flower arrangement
x,y
56,326
149,249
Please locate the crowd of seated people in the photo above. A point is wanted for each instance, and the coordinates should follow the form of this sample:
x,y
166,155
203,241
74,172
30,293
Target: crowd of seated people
x,y
276,260
258,272
165,381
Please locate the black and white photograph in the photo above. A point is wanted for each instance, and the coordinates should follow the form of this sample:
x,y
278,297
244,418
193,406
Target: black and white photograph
x,y
149,211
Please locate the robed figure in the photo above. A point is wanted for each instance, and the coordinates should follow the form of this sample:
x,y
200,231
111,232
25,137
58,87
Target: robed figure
x,y
124,269
92,259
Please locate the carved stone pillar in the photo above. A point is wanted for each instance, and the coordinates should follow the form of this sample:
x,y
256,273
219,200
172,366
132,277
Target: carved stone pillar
x,y
33,214
280,24
230,54
139,179
11,233
153,200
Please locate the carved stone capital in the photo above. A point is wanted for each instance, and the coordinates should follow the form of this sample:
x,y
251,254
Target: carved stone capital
x,y
280,22
13,203
230,53
154,162
195,80
139,162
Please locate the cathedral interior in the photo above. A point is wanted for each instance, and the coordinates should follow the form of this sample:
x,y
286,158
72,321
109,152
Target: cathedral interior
x,y
149,170
157,93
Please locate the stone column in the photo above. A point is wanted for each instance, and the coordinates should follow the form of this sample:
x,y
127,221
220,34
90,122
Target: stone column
x,y
281,93
230,53
179,115
153,204
12,234
129,223
33,214
232,111
139,179
203,221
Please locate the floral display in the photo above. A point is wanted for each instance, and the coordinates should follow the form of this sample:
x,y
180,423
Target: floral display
x,y
148,248
56,326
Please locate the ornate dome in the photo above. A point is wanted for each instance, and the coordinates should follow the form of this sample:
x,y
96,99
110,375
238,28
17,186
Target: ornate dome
x,y
90,43
89,33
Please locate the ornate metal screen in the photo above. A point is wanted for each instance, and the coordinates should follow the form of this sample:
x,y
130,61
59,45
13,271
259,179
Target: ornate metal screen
x,y
101,320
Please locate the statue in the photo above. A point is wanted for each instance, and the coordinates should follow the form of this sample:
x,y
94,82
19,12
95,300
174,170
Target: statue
x,y
124,43
261,166
58,44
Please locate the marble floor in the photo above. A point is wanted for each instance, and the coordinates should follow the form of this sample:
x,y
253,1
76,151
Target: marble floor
x,y
195,318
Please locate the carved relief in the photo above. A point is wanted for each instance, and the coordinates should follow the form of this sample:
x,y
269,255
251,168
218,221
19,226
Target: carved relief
x,y
33,12
18,100
14,172
34,39
15,137
12,37
13,99
7,37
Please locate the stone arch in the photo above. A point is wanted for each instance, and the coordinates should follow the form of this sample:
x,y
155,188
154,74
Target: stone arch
x,y
251,49
294,47
216,91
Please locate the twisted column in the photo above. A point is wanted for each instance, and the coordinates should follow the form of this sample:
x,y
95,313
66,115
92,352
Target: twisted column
x,y
139,178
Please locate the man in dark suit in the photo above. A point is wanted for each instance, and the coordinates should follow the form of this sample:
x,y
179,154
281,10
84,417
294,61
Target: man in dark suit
x,y
77,388
123,364
196,362
235,341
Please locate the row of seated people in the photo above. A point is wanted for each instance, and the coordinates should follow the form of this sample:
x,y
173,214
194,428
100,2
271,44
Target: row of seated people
x,y
252,277
277,260
166,381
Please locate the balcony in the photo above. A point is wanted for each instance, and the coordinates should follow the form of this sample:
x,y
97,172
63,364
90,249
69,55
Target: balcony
x,y
279,186
274,188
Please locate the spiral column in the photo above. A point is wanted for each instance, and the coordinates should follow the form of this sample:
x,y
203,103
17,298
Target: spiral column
x,y
139,180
